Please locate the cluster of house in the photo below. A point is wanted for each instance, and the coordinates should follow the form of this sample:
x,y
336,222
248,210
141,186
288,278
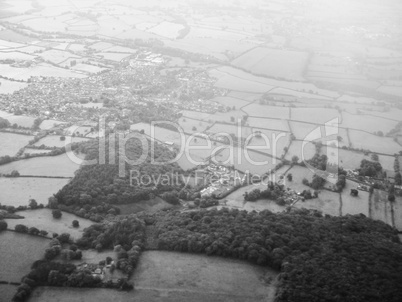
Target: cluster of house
x,y
217,179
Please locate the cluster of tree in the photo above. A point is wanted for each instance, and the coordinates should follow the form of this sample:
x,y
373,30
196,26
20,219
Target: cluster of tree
x,y
206,202
92,212
4,123
316,183
3,225
126,236
100,183
21,228
348,258
274,192
370,168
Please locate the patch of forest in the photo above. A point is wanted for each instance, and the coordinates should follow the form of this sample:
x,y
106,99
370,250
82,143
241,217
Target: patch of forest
x,y
349,258
100,183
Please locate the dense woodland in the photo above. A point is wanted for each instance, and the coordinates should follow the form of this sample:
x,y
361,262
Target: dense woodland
x,y
349,258
100,183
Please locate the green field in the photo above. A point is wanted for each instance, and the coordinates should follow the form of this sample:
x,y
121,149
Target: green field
x,y
11,143
273,62
43,220
60,165
17,191
18,252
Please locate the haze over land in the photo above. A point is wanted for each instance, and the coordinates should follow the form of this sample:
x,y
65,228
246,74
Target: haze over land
x,y
268,132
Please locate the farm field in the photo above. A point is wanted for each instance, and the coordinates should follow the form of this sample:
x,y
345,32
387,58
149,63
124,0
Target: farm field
x,y
398,213
265,111
60,165
17,191
266,123
188,124
314,115
223,50
354,205
54,141
346,159
374,143
231,82
198,274
11,143
245,132
231,102
380,207
271,142
392,90
327,203
167,29
246,160
43,220
21,120
42,69
49,124
367,123
8,87
15,261
149,206
273,62
303,153
7,291
200,278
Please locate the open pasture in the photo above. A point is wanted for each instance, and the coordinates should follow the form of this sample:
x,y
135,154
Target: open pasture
x,y
246,160
266,123
167,29
113,56
192,126
43,220
42,69
225,279
60,165
265,111
354,205
18,252
327,203
8,87
374,143
246,96
392,90
15,55
55,141
344,158
18,191
230,82
380,207
238,131
367,123
57,56
21,120
303,152
273,62
11,143
7,291
49,124
231,102
315,115
270,142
